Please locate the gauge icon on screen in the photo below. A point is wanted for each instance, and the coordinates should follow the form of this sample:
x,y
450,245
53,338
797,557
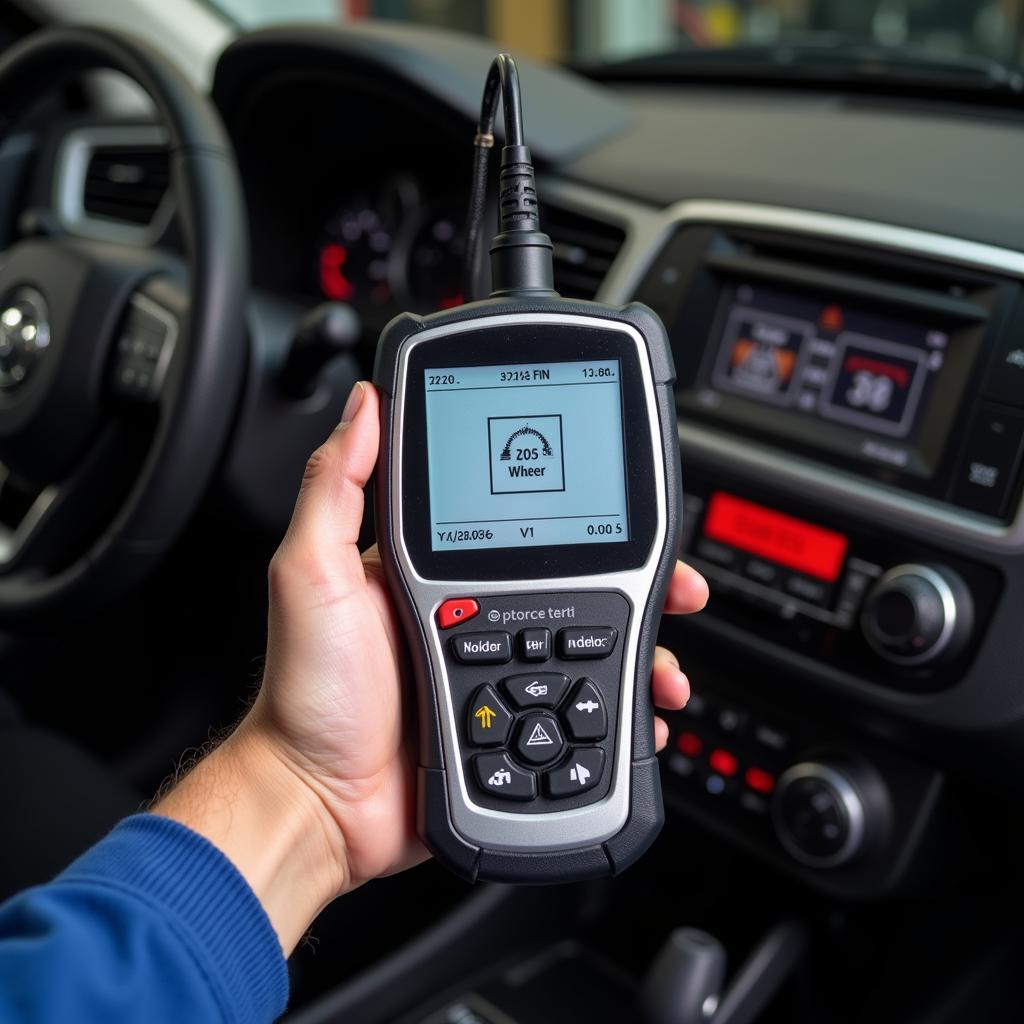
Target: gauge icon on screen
x,y
526,454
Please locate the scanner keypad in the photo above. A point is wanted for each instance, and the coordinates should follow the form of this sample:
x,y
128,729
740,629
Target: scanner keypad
x,y
539,703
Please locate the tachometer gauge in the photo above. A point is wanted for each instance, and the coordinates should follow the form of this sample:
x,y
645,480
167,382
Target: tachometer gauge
x,y
435,267
353,257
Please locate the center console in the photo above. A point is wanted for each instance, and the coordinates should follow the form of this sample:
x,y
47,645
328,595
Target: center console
x,y
851,403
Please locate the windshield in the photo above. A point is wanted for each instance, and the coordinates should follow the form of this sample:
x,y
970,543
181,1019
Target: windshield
x,y
601,31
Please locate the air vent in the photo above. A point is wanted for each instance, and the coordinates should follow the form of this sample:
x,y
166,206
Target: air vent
x,y
126,183
585,249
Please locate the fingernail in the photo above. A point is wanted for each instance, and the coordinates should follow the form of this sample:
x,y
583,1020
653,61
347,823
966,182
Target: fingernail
x,y
355,400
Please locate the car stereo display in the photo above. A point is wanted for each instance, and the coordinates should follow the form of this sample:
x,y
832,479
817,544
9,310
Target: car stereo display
x,y
829,362
526,454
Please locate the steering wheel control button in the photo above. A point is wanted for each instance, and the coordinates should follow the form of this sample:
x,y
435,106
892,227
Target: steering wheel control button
x,y
144,349
456,610
489,719
539,740
539,690
581,772
584,715
535,644
482,648
579,642
497,775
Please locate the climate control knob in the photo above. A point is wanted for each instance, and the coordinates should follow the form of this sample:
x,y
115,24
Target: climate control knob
x,y
918,614
819,814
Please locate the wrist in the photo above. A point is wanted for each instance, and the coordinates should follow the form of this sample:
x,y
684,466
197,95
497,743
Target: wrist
x,y
251,802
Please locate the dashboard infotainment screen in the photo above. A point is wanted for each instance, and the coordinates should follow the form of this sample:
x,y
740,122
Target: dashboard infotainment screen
x,y
826,362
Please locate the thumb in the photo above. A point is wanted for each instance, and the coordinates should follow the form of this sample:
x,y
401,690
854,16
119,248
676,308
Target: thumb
x,y
321,537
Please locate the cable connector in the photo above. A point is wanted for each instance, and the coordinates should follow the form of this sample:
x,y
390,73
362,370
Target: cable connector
x,y
521,254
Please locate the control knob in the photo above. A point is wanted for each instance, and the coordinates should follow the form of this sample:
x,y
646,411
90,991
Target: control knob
x,y
918,614
827,812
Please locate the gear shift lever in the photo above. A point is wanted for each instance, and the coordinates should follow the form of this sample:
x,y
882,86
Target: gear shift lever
x,y
685,982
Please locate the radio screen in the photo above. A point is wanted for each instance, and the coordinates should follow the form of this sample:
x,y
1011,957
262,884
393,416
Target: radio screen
x,y
826,361
526,454
775,536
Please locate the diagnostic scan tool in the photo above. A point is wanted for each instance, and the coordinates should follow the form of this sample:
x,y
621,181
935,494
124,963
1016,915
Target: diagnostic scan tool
x,y
528,514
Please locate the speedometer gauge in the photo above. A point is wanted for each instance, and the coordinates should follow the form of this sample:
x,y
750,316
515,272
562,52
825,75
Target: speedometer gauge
x,y
436,256
353,257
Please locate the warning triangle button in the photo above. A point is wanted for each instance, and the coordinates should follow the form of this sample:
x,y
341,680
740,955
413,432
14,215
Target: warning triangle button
x,y
539,739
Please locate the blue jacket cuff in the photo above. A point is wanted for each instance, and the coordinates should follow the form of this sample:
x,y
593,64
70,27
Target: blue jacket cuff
x,y
207,902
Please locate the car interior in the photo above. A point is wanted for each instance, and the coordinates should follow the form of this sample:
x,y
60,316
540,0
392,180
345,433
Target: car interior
x,y
208,214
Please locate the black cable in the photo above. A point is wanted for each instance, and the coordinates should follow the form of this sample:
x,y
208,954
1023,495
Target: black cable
x,y
517,201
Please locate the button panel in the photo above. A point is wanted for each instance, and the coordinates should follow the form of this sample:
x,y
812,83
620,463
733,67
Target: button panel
x,y
764,601
537,696
988,470
143,350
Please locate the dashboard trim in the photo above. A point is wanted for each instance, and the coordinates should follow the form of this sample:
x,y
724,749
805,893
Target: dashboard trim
x,y
647,229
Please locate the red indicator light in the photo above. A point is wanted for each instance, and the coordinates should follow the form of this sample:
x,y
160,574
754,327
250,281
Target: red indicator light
x,y
759,780
779,538
332,280
690,744
831,319
723,762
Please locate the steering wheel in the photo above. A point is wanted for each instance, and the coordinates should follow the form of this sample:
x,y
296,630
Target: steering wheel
x,y
120,366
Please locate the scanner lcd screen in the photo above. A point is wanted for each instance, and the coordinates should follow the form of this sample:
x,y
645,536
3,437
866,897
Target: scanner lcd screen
x,y
526,454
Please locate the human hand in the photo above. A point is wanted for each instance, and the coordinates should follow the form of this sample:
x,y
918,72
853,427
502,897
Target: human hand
x,y
330,720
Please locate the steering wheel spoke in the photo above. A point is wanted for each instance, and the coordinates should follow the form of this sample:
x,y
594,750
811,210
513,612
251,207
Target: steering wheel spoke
x,y
43,527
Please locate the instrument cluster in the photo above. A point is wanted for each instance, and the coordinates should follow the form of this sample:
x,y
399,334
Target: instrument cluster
x,y
392,248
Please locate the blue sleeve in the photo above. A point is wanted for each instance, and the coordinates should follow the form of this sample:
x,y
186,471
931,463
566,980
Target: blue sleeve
x,y
152,924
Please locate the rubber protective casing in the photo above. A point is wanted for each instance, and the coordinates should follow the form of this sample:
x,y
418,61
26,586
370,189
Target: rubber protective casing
x,y
646,812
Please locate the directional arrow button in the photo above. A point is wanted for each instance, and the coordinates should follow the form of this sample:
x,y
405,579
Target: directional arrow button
x,y
537,690
489,720
584,713
582,771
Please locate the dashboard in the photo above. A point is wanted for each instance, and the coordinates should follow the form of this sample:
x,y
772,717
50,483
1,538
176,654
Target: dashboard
x,y
841,279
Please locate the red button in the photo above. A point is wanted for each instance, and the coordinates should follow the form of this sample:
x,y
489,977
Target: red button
x,y
456,610
690,744
723,762
759,780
